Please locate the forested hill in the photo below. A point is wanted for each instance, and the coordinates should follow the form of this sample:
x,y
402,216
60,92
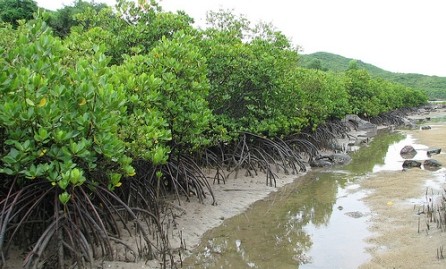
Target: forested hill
x,y
434,86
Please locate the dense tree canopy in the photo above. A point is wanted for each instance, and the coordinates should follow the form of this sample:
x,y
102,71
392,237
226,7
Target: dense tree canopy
x,y
95,100
63,19
181,88
12,11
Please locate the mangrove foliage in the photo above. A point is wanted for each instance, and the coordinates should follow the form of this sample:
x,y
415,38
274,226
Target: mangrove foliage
x,y
106,113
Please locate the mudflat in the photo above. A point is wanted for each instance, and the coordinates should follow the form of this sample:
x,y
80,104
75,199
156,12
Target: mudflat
x,y
404,236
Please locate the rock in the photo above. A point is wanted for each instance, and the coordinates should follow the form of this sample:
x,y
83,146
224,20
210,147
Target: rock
x,y
408,150
355,214
432,164
427,127
331,159
359,124
338,147
411,164
320,163
409,123
432,151
408,156
341,158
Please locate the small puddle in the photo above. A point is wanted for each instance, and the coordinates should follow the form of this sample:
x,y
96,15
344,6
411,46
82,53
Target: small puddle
x,y
319,221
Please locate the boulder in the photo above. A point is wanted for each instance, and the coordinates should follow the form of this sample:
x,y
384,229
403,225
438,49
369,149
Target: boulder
x,y
408,150
411,164
432,164
351,143
408,156
432,151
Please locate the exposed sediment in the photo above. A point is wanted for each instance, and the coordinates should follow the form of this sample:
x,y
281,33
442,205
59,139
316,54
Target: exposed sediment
x,y
234,197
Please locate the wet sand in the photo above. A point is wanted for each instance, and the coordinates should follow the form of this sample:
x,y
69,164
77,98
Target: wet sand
x,y
195,218
395,201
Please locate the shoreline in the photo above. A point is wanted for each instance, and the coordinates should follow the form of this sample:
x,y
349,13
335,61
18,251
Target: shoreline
x,y
402,236
194,219
237,195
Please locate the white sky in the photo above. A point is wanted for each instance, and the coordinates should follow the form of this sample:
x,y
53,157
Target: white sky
x,y
404,36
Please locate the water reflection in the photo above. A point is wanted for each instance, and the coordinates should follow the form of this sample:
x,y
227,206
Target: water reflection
x,y
368,157
270,234
440,119
339,243
393,160
316,222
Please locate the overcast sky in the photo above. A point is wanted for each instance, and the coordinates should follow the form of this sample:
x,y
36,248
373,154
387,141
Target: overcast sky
x,y
404,36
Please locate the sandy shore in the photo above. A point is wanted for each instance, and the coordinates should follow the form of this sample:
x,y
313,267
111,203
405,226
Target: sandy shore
x,y
196,218
402,237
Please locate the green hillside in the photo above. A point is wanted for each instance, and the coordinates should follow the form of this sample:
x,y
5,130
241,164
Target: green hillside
x,y
434,86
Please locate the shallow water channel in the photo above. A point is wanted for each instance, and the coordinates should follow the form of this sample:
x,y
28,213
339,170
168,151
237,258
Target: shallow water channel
x,y
319,221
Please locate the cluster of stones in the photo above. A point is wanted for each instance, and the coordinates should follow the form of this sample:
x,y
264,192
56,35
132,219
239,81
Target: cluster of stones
x,y
408,152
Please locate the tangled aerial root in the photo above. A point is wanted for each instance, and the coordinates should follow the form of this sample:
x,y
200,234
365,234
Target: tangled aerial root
x,y
89,227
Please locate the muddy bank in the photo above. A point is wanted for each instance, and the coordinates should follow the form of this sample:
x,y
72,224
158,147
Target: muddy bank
x,y
233,198
193,218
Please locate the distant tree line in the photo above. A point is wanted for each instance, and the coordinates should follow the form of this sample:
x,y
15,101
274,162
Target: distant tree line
x,y
433,86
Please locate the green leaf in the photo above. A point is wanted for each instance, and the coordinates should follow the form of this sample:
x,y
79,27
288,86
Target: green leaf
x,y
42,135
12,157
63,183
64,197
115,179
129,170
29,102
159,156
76,177
7,171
